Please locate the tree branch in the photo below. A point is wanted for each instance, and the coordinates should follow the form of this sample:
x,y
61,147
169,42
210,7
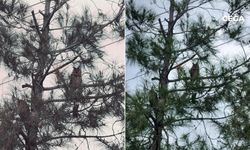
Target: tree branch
x,y
53,12
201,119
64,64
36,24
86,97
83,86
183,62
78,136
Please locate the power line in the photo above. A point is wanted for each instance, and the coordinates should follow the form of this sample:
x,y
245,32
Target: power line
x,y
111,43
135,77
6,82
230,40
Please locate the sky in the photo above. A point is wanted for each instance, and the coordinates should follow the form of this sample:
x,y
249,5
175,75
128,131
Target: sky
x,y
115,54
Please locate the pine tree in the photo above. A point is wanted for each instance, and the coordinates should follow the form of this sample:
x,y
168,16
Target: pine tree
x,y
48,109
190,98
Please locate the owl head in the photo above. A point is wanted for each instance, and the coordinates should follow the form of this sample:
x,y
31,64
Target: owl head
x,y
76,71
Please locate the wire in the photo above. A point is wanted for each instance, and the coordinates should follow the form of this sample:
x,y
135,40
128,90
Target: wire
x,y
110,43
35,4
230,41
6,82
136,77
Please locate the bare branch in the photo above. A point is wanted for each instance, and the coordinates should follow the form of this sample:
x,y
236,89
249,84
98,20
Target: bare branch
x,y
67,63
36,24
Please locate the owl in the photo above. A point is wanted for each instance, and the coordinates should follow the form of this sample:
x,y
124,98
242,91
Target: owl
x,y
75,79
194,74
195,71
75,86
23,110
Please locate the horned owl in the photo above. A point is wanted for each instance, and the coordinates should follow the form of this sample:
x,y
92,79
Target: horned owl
x,y
75,79
75,86
194,74
195,71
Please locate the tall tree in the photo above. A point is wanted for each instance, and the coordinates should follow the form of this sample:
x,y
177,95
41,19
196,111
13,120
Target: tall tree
x,y
54,54
191,98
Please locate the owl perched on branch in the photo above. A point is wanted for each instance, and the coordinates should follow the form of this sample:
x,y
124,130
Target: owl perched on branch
x,y
75,79
195,71
75,87
194,74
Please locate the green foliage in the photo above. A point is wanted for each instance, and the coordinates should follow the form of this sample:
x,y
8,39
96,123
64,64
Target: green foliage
x,y
138,18
176,107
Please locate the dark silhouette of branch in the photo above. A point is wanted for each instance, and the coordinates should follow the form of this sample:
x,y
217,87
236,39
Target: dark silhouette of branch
x,y
57,7
26,85
201,119
109,83
178,65
65,64
86,97
36,24
78,136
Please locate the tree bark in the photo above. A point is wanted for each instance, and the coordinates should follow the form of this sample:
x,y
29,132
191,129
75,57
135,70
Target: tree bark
x,y
157,136
38,78
163,84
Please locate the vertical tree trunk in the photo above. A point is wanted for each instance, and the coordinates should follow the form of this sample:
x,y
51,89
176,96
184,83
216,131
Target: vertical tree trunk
x,y
159,123
37,79
157,136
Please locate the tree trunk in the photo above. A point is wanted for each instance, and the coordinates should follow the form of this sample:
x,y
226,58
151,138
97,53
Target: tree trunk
x,y
157,136
38,78
36,106
163,84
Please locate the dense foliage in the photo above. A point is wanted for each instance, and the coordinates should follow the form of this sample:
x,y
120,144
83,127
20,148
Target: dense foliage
x,y
192,97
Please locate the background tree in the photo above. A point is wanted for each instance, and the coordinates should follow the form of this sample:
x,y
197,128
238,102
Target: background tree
x,y
56,105
192,97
